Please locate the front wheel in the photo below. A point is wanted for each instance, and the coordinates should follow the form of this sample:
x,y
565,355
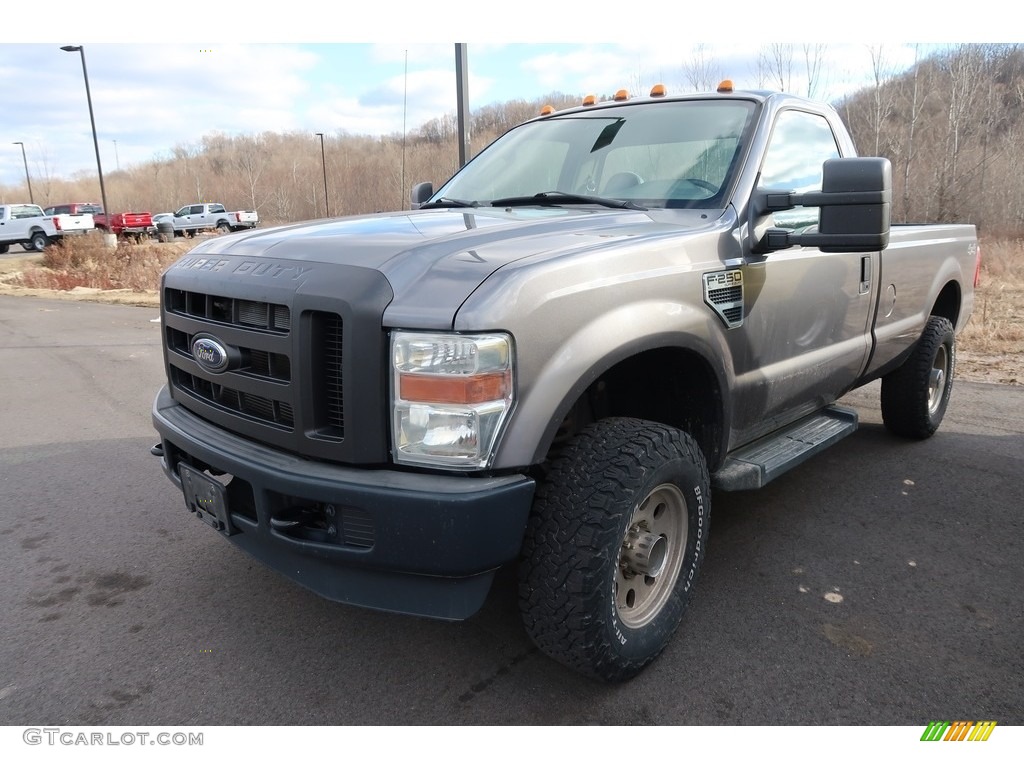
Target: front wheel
x,y
915,395
614,545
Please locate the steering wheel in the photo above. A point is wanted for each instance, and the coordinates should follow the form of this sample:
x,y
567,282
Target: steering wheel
x,y
621,181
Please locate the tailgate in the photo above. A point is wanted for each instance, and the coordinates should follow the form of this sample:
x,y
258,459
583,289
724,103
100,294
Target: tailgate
x,y
67,222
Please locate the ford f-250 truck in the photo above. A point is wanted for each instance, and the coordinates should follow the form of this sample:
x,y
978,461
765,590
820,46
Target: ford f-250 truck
x,y
26,224
552,361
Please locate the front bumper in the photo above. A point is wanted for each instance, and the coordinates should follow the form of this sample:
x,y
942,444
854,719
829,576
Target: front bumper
x,y
409,542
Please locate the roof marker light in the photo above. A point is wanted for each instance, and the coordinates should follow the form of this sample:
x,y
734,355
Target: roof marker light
x,y
725,86
547,109
590,100
659,91
621,95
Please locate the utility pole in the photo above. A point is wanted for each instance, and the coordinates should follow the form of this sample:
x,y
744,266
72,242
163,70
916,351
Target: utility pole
x,y
462,93
28,179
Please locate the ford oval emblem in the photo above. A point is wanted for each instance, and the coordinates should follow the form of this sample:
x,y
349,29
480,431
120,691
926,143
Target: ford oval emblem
x,y
210,354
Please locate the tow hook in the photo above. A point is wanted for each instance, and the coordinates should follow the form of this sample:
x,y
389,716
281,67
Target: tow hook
x,y
157,450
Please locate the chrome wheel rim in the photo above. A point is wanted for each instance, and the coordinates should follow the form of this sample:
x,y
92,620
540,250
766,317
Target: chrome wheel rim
x,y
651,555
938,379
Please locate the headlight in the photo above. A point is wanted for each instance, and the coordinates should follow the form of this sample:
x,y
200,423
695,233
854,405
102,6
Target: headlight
x,y
451,395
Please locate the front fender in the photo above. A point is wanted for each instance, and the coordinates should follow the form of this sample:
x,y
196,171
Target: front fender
x,y
579,359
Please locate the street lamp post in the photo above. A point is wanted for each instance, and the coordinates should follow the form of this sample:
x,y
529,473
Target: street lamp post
x,y
92,120
28,179
323,162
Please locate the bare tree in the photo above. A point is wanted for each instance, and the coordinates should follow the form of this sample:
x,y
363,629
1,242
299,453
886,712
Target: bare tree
x,y
882,96
775,62
699,71
814,62
913,95
251,161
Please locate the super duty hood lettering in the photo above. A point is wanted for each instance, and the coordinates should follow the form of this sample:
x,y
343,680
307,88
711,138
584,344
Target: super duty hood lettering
x,y
248,267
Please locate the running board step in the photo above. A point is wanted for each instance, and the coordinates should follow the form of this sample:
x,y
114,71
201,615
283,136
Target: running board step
x,y
759,463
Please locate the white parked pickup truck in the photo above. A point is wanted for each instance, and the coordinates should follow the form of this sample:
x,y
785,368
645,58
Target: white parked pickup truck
x,y
196,217
26,224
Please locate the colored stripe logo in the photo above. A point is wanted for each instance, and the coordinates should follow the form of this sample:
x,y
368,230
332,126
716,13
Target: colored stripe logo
x,y
960,730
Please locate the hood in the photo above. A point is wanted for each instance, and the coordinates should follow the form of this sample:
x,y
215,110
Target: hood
x,y
434,259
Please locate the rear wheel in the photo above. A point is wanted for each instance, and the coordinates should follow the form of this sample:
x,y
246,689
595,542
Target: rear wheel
x,y
4,248
39,241
915,395
223,227
614,545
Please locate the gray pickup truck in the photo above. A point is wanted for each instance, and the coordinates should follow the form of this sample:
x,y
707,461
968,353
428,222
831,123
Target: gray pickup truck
x,y
551,361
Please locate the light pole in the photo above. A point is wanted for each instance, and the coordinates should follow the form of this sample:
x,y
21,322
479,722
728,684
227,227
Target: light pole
x,y
323,161
117,159
28,179
92,121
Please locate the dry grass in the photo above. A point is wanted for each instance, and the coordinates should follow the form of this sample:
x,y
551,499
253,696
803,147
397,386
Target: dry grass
x,y
88,262
991,347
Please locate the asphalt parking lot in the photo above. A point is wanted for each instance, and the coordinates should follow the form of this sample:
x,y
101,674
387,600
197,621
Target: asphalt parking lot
x,y
878,584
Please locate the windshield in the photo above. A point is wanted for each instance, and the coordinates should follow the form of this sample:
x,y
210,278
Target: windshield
x,y
657,155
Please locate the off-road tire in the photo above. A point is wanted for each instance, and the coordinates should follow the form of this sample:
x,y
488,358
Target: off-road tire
x,y
617,479
915,395
223,227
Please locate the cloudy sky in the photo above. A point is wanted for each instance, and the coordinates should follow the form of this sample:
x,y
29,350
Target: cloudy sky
x,y
316,68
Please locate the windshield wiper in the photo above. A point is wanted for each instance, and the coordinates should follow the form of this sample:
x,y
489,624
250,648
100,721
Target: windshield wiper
x,y
450,202
562,198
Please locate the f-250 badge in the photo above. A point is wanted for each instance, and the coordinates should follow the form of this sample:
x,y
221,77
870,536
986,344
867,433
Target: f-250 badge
x,y
723,292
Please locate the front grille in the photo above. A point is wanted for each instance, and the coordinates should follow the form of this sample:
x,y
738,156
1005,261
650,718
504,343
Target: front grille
x,y
329,326
223,309
247,404
256,362
258,389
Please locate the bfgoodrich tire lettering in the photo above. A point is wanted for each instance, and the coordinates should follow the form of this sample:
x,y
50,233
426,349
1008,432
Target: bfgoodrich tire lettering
x,y
915,395
614,545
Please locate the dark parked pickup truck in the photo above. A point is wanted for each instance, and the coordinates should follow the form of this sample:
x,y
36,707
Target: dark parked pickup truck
x,y
553,360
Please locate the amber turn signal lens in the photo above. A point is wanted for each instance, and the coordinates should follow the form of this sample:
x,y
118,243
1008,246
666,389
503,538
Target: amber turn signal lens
x,y
482,388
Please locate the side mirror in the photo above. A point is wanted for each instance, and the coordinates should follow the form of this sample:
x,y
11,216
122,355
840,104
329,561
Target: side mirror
x,y
854,205
421,193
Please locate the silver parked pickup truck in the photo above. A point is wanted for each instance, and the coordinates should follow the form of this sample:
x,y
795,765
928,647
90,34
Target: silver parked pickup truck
x,y
553,359
198,217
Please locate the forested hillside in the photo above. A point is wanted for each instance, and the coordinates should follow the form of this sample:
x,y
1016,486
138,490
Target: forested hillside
x,y
953,126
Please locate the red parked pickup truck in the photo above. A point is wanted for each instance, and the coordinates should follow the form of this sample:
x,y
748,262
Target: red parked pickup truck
x,y
134,224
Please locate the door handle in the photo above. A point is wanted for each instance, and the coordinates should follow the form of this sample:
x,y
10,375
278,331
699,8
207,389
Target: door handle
x,y
865,274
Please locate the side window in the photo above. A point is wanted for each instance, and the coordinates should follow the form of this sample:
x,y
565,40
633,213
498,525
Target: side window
x,y
196,209
800,144
3,212
217,209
